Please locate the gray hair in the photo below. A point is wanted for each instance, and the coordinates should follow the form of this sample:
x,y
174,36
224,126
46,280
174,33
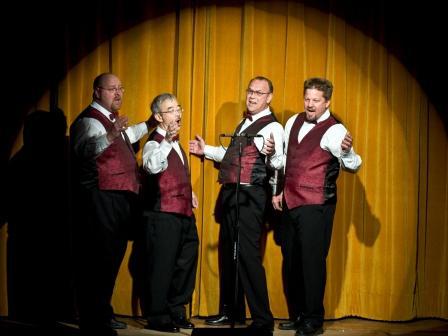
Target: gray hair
x,y
158,101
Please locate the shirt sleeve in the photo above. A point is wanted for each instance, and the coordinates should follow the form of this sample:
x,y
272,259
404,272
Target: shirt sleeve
x,y
274,161
331,141
288,127
136,132
215,153
155,156
89,138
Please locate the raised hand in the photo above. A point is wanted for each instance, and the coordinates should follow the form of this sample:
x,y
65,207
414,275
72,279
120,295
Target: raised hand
x,y
120,125
172,131
347,142
197,145
269,146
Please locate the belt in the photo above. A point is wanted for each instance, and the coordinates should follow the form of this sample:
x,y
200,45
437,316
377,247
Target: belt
x,y
233,185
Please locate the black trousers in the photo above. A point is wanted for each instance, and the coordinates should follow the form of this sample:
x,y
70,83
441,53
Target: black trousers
x,y
170,246
306,238
252,202
101,234
227,280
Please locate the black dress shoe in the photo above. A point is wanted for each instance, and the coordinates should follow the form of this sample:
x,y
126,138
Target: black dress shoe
x,y
222,319
290,325
164,327
115,324
309,329
182,322
218,320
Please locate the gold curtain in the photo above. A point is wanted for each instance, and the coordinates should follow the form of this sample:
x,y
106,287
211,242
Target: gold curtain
x,y
389,254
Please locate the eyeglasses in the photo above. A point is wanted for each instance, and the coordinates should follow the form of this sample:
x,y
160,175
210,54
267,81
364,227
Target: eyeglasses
x,y
178,110
250,92
113,89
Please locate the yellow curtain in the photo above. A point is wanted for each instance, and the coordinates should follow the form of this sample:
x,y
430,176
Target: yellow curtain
x,y
389,256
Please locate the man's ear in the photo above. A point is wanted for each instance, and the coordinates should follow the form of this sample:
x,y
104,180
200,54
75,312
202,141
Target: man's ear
x,y
158,117
96,93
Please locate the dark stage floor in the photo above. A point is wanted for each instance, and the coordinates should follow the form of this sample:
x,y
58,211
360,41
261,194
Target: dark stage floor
x,y
342,327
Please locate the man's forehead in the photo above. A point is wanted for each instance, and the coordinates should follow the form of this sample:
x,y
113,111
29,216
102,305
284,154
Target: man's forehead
x,y
110,80
258,83
170,103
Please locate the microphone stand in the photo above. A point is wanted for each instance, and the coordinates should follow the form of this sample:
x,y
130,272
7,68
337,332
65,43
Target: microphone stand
x,y
232,331
236,237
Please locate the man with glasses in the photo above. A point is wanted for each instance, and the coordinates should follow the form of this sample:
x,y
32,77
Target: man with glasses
x,y
168,244
260,138
106,185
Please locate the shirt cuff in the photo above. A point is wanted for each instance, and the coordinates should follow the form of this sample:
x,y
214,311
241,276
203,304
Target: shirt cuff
x,y
209,151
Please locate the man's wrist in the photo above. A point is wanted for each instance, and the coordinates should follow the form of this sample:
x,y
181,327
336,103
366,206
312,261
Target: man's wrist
x,y
345,152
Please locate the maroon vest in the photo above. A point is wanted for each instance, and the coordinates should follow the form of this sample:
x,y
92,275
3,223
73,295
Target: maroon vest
x,y
116,167
311,172
170,190
253,166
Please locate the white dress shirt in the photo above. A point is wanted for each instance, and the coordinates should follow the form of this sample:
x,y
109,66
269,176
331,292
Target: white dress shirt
x,y
155,154
275,161
90,136
331,141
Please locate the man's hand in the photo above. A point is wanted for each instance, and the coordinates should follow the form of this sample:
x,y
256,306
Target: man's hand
x,y
172,131
194,200
197,146
277,202
347,142
120,125
269,146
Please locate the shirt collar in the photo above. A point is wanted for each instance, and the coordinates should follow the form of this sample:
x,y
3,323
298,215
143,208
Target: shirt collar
x,y
161,131
323,117
100,108
261,114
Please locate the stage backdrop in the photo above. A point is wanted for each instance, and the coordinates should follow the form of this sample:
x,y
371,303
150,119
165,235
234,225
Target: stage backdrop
x,y
389,256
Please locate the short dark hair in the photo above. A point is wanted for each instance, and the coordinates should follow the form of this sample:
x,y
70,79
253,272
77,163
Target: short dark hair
x,y
320,84
271,87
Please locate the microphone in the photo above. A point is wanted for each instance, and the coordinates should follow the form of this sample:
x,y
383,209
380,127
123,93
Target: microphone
x,y
249,135
242,135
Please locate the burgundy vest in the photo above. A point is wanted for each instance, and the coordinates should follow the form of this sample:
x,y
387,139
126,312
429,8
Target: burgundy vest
x,y
253,166
311,172
116,167
170,190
